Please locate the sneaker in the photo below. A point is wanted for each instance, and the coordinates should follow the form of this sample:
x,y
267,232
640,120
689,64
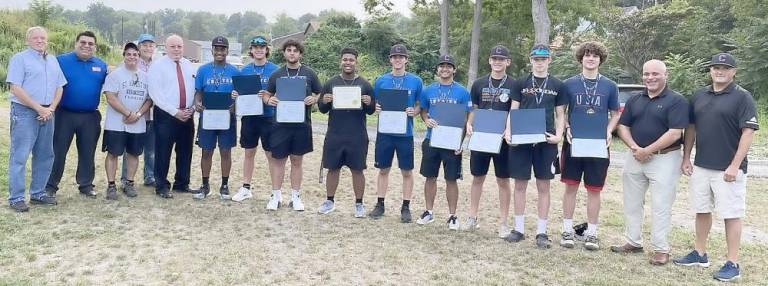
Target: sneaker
x,y
514,236
567,239
242,194
129,190
149,182
274,202
359,210
88,193
693,259
425,218
202,192
471,224
542,241
377,212
591,242
729,272
224,192
111,193
19,206
405,215
453,223
296,203
579,231
503,230
626,248
43,200
50,192
327,207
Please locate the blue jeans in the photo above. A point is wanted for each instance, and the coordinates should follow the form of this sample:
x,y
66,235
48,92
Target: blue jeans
x,y
28,135
149,156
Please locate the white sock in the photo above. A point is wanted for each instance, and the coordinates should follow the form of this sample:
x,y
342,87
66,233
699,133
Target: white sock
x,y
277,193
541,227
295,194
591,229
567,225
520,223
430,212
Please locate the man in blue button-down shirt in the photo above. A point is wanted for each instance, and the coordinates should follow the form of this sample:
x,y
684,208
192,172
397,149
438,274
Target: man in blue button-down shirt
x,y
36,86
78,113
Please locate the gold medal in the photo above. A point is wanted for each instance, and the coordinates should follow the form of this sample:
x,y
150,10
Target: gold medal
x,y
590,110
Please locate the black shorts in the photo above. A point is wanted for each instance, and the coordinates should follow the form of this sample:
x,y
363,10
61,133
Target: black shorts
x,y
254,128
594,170
118,143
286,141
432,157
479,162
347,151
540,156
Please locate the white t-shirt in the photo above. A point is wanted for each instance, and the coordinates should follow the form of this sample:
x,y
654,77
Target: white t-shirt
x,y
132,91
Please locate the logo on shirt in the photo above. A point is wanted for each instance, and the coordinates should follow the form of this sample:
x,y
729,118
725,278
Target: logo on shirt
x,y
96,69
494,94
752,121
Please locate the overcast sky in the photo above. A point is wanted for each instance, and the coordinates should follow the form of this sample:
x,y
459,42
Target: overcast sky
x,y
268,8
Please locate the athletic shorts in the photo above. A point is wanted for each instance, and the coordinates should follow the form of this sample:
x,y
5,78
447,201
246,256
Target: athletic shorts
x,y
387,145
293,140
709,191
540,156
432,158
208,139
350,151
255,128
479,162
119,142
593,170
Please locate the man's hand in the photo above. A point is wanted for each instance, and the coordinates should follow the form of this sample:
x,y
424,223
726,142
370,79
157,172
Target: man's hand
x,y
431,123
131,118
181,114
686,167
568,135
44,113
273,101
367,99
199,106
608,138
552,138
327,98
469,129
730,173
507,137
410,111
378,107
641,154
309,100
457,152
264,96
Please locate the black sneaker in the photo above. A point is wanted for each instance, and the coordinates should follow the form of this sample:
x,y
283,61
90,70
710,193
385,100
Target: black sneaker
x,y
514,236
43,200
224,192
129,190
19,206
405,215
202,192
50,192
111,193
89,193
377,212
542,241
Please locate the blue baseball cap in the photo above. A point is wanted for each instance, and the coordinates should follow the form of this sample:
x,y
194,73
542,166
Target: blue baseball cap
x,y
145,37
259,41
540,51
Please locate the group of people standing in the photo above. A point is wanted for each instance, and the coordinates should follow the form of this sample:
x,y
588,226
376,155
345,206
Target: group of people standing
x,y
152,102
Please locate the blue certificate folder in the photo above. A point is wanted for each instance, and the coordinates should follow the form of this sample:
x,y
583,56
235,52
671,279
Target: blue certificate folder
x,y
589,135
247,84
291,89
217,100
527,126
393,99
450,119
487,126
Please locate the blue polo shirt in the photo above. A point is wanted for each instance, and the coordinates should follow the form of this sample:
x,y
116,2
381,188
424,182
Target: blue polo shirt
x,y
37,74
409,82
84,81
440,93
264,72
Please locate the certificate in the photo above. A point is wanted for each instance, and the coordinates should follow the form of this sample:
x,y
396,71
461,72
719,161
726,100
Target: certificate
x,y
290,112
527,126
393,122
591,148
215,119
347,97
446,137
488,126
589,135
450,125
249,104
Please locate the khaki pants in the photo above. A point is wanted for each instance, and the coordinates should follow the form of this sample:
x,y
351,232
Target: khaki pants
x,y
660,174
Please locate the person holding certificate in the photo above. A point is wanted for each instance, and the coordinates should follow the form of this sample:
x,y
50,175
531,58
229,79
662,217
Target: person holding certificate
x,y
387,145
491,92
346,142
291,139
256,127
443,91
537,90
590,94
214,79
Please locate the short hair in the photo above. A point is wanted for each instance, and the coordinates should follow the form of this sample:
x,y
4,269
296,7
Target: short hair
x,y
348,50
293,43
33,29
86,34
251,47
591,47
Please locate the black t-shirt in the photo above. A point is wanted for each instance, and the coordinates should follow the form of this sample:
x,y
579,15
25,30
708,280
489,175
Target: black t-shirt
x,y
719,118
494,95
533,92
649,118
313,86
343,122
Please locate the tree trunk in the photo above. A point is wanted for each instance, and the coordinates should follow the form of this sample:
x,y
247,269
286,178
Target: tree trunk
x,y
444,27
474,45
540,21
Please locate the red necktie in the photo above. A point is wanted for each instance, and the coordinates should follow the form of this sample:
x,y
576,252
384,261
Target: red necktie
x,y
182,90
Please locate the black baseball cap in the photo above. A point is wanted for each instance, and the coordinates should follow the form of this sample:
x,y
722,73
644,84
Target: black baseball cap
x,y
724,59
130,45
500,51
398,50
220,41
259,41
446,59
540,51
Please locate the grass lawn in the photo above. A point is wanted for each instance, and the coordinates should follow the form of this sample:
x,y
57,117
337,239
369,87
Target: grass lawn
x,y
151,241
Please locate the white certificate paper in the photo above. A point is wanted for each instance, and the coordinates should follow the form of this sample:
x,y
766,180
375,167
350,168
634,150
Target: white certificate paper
x,y
446,137
393,122
249,104
527,138
216,119
590,148
290,112
347,97
485,142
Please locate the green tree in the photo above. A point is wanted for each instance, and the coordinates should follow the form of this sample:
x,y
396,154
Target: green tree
x,y
284,25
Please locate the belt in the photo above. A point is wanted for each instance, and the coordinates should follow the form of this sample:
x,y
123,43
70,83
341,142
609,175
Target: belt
x,y
667,150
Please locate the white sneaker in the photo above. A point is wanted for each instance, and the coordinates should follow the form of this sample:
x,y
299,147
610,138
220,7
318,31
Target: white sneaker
x,y
503,230
274,202
359,210
453,223
242,194
327,207
296,203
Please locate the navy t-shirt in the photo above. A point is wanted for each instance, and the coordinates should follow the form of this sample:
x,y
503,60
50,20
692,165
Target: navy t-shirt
x,y
593,96
347,122
264,72
494,94
535,92
313,86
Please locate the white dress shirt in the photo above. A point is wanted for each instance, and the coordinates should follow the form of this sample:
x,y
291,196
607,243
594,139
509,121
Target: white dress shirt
x,y
164,85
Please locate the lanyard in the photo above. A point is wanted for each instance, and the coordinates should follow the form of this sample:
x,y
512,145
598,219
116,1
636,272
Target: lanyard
x,y
538,91
288,73
495,91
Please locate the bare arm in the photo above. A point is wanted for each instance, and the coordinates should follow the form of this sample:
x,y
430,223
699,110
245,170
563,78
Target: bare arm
x,y
747,134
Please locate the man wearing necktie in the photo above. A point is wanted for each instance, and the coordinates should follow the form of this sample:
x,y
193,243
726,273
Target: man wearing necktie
x,y
171,86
